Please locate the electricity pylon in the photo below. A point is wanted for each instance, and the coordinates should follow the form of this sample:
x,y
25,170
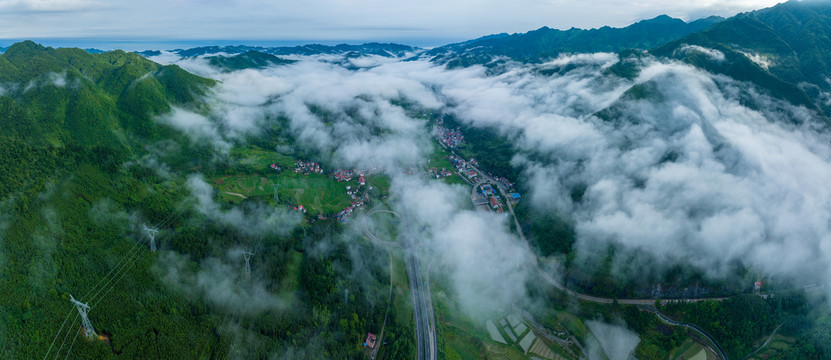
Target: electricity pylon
x,y
82,309
247,255
152,234
276,196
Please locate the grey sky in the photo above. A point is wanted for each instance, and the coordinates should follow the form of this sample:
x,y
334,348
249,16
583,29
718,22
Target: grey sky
x,y
425,22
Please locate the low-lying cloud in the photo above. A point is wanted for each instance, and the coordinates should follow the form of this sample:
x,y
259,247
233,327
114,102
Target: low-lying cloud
x,y
222,282
677,163
615,342
251,220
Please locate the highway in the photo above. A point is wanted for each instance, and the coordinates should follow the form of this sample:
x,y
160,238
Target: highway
x,y
426,339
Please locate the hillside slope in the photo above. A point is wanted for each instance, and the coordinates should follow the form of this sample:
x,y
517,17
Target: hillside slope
x,y
784,49
546,43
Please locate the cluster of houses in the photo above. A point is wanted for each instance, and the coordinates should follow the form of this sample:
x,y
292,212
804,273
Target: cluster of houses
x,y
465,167
492,194
299,208
346,175
276,167
440,173
450,138
306,168
346,213
316,218
507,185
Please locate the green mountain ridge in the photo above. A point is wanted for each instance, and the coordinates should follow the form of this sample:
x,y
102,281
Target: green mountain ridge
x,y
70,104
249,60
546,43
785,49
68,95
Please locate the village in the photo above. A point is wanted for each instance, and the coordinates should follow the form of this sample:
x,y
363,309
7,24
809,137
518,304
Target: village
x,y
359,195
448,137
486,194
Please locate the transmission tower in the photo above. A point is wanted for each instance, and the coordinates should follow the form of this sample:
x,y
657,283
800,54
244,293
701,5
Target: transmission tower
x,y
82,309
276,196
247,255
152,234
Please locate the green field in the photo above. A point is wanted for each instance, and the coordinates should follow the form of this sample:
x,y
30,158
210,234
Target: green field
x,y
318,193
403,303
438,159
573,324
291,282
385,226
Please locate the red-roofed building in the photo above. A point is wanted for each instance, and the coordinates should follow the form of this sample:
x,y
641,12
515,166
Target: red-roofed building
x,y
494,204
370,340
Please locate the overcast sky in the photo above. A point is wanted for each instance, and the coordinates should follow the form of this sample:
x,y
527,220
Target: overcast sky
x,y
424,22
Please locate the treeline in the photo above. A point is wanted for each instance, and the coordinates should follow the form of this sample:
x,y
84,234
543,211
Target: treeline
x,y
739,323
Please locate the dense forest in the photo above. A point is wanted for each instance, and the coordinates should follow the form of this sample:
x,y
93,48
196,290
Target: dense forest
x,y
79,154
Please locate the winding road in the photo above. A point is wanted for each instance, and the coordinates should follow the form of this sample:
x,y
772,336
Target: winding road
x,y
485,179
426,341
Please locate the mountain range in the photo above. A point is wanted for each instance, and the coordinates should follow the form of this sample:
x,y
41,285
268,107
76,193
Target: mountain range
x,y
546,43
75,120
379,49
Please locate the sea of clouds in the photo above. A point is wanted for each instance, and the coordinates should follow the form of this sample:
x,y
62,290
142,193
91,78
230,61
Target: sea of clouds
x,y
704,170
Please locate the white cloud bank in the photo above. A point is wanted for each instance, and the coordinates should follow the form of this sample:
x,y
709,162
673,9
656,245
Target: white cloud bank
x,y
688,174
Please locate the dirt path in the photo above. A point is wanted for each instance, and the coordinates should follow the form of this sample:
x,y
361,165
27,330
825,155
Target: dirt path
x,y
235,194
380,340
765,344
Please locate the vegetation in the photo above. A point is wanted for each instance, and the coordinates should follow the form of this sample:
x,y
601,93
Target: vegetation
x,y
782,49
79,150
545,43
248,60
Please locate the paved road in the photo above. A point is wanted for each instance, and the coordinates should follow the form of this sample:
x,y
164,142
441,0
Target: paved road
x,y
426,339
718,350
485,179
551,280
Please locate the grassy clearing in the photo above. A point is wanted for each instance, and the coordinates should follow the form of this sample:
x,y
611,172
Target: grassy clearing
x,y
317,193
386,226
573,324
261,159
438,159
292,280
380,182
403,303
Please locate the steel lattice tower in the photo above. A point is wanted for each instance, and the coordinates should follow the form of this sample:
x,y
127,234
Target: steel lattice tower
x,y
247,255
152,234
82,309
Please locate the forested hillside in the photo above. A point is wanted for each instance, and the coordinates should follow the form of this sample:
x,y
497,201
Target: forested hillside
x,y
783,49
85,164
546,43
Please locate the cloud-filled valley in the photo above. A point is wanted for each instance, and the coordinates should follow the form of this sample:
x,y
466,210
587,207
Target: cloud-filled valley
x,y
675,163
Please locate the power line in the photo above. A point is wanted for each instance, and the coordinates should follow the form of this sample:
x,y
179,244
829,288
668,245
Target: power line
x,y
56,335
131,255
